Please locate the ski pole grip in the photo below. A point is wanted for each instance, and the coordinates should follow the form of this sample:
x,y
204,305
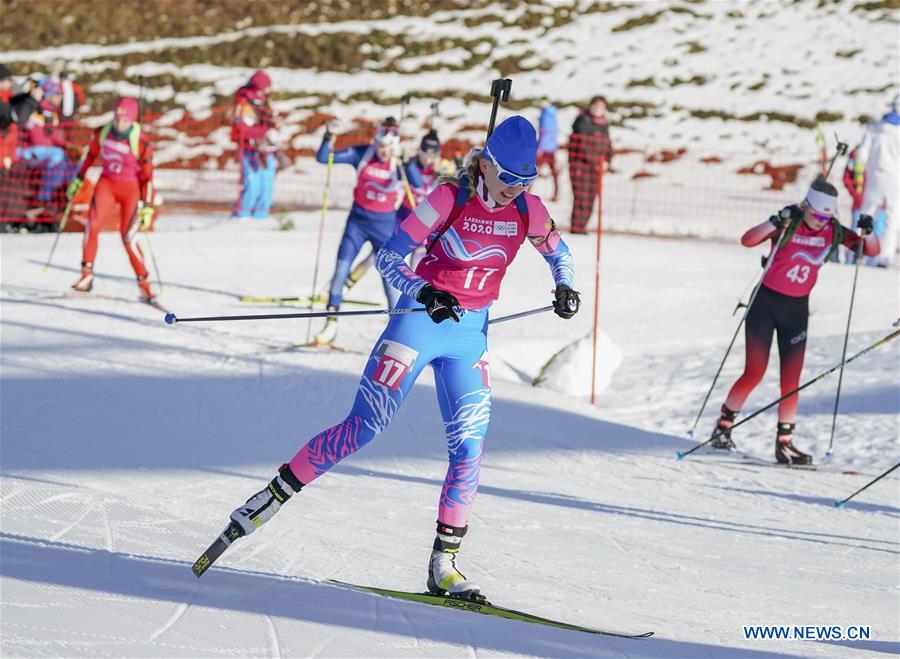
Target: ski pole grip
x,y
171,319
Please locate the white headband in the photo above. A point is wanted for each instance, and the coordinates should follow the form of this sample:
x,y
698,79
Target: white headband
x,y
821,202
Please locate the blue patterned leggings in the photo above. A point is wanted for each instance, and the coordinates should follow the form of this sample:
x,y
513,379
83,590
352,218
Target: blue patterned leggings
x,y
458,354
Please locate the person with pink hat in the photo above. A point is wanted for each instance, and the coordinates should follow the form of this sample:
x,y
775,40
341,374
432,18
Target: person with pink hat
x,y
253,130
127,181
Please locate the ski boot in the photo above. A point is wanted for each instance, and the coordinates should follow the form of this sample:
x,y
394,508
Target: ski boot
x,y
147,295
263,505
723,439
785,451
443,577
329,332
86,283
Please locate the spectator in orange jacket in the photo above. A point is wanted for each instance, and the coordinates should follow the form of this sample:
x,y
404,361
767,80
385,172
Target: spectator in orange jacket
x,y
126,180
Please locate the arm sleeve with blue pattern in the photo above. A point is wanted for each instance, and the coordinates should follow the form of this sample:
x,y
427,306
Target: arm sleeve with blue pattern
x,y
414,175
393,268
349,156
560,261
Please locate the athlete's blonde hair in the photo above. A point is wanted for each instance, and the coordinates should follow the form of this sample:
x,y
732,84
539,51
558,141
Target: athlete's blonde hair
x,y
470,168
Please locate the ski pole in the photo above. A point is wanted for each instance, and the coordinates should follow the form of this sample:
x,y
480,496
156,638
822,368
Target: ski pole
x,y
153,260
837,399
499,88
171,318
750,285
840,150
717,432
840,504
404,101
521,314
737,330
315,281
435,112
59,230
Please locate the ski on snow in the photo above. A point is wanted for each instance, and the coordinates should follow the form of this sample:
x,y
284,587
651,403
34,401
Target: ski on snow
x,y
738,458
89,295
306,299
483,607
232,532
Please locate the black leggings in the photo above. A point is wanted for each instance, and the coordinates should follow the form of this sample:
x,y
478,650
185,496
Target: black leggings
x,y
788,316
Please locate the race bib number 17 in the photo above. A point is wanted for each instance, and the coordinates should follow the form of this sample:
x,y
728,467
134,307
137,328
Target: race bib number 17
x,y
395,360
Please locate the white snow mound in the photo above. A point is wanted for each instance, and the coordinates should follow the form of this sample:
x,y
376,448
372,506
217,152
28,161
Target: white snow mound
x,y
569,370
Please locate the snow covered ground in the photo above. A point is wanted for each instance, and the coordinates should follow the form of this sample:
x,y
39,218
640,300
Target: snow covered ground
x,y
126,443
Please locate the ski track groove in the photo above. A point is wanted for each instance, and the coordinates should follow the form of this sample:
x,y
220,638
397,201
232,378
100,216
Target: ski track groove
x,y
412,629
107,529
180,610
59,534
274,642
12,494
68,633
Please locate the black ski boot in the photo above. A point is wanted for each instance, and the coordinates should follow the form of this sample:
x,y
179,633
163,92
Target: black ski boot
x,y
785,451
722,440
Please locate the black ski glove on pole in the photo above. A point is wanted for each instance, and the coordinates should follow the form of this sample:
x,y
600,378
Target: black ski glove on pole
x,y
567,302
439,304
865,224
788,212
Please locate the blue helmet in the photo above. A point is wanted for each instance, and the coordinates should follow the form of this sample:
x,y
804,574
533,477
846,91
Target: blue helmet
x,y
513,148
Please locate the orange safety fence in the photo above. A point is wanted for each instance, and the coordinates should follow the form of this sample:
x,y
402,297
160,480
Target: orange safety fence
x,y
645,190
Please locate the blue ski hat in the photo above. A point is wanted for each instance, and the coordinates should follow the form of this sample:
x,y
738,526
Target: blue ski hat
x,y
513,145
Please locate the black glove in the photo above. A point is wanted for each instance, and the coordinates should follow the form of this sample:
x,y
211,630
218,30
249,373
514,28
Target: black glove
x,y
567,302
327,136
792,212
865,224
440,305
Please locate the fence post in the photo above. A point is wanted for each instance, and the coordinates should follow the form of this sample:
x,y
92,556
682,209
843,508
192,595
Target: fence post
x,y
601,167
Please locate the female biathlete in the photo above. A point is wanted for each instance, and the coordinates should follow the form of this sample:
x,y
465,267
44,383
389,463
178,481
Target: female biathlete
x,y
127,180
474,226
809,239
379,186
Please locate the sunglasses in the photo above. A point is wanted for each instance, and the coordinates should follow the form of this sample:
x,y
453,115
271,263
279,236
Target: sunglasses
x,y
387,135
507,177
819,216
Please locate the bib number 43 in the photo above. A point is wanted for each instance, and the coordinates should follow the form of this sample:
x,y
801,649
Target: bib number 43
x,y
798,274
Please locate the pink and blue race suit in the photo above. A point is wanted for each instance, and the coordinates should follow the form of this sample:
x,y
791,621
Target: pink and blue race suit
x,y
376,196
469,259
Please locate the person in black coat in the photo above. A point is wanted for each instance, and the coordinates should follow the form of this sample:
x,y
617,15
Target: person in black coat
x,y
590,151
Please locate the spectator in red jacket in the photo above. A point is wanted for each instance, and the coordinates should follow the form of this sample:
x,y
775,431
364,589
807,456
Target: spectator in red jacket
x,y
590,150
127,160
9,132
43,141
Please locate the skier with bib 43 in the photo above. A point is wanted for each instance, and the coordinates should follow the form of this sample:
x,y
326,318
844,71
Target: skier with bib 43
x,y
473,227
809,236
